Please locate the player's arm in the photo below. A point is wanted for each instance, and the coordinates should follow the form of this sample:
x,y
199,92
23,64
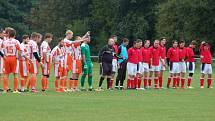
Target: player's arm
x,y
101,52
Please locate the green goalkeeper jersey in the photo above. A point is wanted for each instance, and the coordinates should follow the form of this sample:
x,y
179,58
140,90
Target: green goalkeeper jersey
x,y
85,50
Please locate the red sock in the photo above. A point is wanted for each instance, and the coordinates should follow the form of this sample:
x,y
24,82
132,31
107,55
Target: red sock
x,y
201,82
65,83
110,83
145,82
209,82
76,84
178,82
174,81
160,81
182,82
139,82
168,82
133,84
29,83
189,81
128,84
150,82
61,84
156,83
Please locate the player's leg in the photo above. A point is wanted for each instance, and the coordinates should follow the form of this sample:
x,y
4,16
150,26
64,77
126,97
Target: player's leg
x,y
119,76
191,69
150,78
156,79
15,71
183,72
209,71
90,75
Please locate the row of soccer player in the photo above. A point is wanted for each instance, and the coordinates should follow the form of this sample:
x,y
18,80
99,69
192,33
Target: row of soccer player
x,y
24,58
142,61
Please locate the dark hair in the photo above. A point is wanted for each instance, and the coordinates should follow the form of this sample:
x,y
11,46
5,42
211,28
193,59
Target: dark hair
x,y
112,36
181,41
162,38
146,41
139,40
125,40
34,35
193,42
12,33
48,35
25,36
173,41
59,39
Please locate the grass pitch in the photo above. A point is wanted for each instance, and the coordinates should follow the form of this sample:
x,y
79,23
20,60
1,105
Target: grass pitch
x,y
128,105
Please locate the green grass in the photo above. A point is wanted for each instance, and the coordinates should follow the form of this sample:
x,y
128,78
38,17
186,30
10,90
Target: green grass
x,y
130,105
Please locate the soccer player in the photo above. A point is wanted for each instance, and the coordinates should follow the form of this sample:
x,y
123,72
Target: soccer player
x,y
114,62
182,63
146,60
163,60
190,63
206,64
87,64
155,61
11,47
140,69
24,61
173,61
58,62
132,65
2,36
76,65
45,52
35,60
106,55
122,52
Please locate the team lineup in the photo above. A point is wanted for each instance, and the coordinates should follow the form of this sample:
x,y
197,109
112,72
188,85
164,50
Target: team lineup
x,y
143,63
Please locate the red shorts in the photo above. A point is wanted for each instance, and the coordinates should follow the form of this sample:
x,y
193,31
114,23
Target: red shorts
x,y
33,67
23,68
76,67
10,64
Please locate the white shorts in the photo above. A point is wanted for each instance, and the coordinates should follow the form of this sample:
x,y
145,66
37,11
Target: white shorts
x,y
182,67
114,65
174,68
132,69
56,70
155,68
163,68
145,67
1,65
206,69
140,69
191,67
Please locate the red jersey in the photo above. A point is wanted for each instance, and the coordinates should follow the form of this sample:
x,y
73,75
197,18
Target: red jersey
x,y
182,53
190,55
10,47
115,49
146,55
155,56
163,52
133,55
207,58
140,56
173,54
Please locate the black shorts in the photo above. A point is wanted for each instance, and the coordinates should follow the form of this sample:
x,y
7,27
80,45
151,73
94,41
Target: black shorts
x,y
106,69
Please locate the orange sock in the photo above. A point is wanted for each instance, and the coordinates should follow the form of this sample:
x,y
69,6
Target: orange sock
x,y
76,84
61,84
5,84
29,83
65,83
23,81
71,82
15,85
46,83
56,84
43,81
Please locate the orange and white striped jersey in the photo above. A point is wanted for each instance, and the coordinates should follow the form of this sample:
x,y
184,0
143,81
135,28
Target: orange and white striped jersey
x,y
32,47
45,51
24,52
57,56
11,47
67,46
76,50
